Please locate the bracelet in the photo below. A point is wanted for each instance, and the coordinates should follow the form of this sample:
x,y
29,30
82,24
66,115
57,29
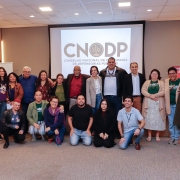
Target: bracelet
x,y
139,129
122,136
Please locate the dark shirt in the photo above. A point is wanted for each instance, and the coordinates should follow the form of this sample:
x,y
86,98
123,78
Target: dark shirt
x,y
29,87
11,93
49,120
3,88
80,116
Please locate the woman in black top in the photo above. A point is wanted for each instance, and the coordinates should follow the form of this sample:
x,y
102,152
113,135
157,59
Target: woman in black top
x,y
104,124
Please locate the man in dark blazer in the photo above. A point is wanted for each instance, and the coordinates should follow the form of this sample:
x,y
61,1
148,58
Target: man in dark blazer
x,y
76,84
132,85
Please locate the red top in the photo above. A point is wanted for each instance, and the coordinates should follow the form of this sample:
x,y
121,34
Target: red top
x,y
75,86
45,92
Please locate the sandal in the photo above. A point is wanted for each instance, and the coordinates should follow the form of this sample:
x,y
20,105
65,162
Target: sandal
x,y
158,139
148,139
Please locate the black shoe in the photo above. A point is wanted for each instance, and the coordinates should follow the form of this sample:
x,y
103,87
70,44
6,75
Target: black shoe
x,y
1,138
6,145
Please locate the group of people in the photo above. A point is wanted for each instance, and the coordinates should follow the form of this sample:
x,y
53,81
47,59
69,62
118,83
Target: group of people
x,y
102,104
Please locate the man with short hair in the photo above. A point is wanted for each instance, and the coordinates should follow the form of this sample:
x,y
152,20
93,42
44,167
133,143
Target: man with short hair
x,y
171,86
133,84
13,122
76,84
35,116
133,124
28,82
80,119
112,84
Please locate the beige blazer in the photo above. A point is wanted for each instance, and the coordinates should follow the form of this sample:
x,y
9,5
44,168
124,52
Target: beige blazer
x,y
160,95
167,96
91,91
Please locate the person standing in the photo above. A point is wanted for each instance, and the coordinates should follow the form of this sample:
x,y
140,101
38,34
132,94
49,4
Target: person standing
x,y
112,84
60,91
130,124
3,89
35,116
14,89
133,84
44,84
76,84
80,119
28,82
171,87
153,109
94,89
13,124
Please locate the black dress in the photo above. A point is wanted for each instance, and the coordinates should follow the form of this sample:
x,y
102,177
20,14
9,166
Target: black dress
x,y
104,122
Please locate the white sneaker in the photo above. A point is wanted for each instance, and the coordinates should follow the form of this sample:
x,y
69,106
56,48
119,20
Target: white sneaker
x,y
176,142
33,138
171,141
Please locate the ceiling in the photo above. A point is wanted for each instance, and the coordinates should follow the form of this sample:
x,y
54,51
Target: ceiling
x,y
16,13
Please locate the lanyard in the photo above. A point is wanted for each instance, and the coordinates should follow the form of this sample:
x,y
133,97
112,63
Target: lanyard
x,y
128,117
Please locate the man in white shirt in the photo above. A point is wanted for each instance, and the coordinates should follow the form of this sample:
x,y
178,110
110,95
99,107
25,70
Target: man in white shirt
x,y
133,84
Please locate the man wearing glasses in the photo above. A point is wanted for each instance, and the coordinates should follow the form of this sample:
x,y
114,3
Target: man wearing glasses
x,y
28,82
171,86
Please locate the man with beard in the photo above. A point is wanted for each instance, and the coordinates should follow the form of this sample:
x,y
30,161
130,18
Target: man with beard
x,y
80,119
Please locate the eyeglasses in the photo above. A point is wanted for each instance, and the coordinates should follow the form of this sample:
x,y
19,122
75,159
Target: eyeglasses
x,y
172,73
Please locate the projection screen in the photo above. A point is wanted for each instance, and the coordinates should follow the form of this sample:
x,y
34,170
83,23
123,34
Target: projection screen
x,y
86,46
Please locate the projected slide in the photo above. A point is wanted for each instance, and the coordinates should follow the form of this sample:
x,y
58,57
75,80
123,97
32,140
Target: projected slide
x,y
88,46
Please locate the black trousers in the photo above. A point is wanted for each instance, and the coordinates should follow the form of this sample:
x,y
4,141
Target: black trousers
x,y
99,142
6,131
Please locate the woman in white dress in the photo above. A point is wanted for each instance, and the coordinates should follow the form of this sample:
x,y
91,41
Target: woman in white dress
x,y
153,105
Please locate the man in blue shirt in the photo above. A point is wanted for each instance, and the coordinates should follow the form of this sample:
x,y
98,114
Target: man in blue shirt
x,y
133,124
28,82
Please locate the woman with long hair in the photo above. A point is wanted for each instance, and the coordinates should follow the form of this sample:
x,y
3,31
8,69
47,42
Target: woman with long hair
x,y
44,84
153,104
54,121
3,88
14,88
104,126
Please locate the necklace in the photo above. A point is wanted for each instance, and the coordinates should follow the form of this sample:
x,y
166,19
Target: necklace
x,y
110,72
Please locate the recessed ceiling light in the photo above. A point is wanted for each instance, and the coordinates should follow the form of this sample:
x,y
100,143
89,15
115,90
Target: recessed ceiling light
x,y
124,4
149,10
99,12
45,9
76,14
31,16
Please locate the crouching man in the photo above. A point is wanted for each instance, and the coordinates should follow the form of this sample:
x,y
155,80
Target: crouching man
x,y
133,124
13,123
35,116
80,119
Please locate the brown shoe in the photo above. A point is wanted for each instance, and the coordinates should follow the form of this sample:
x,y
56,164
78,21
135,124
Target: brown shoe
x,y
137,146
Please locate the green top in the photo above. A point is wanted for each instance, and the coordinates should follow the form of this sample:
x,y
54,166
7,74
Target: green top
x,y
60,93
173,85
39,110
153,87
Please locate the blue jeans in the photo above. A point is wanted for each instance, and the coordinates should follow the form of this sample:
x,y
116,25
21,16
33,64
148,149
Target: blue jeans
x,y
86,139
61,130
3,108
128,138
115,103
98,101
173,129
